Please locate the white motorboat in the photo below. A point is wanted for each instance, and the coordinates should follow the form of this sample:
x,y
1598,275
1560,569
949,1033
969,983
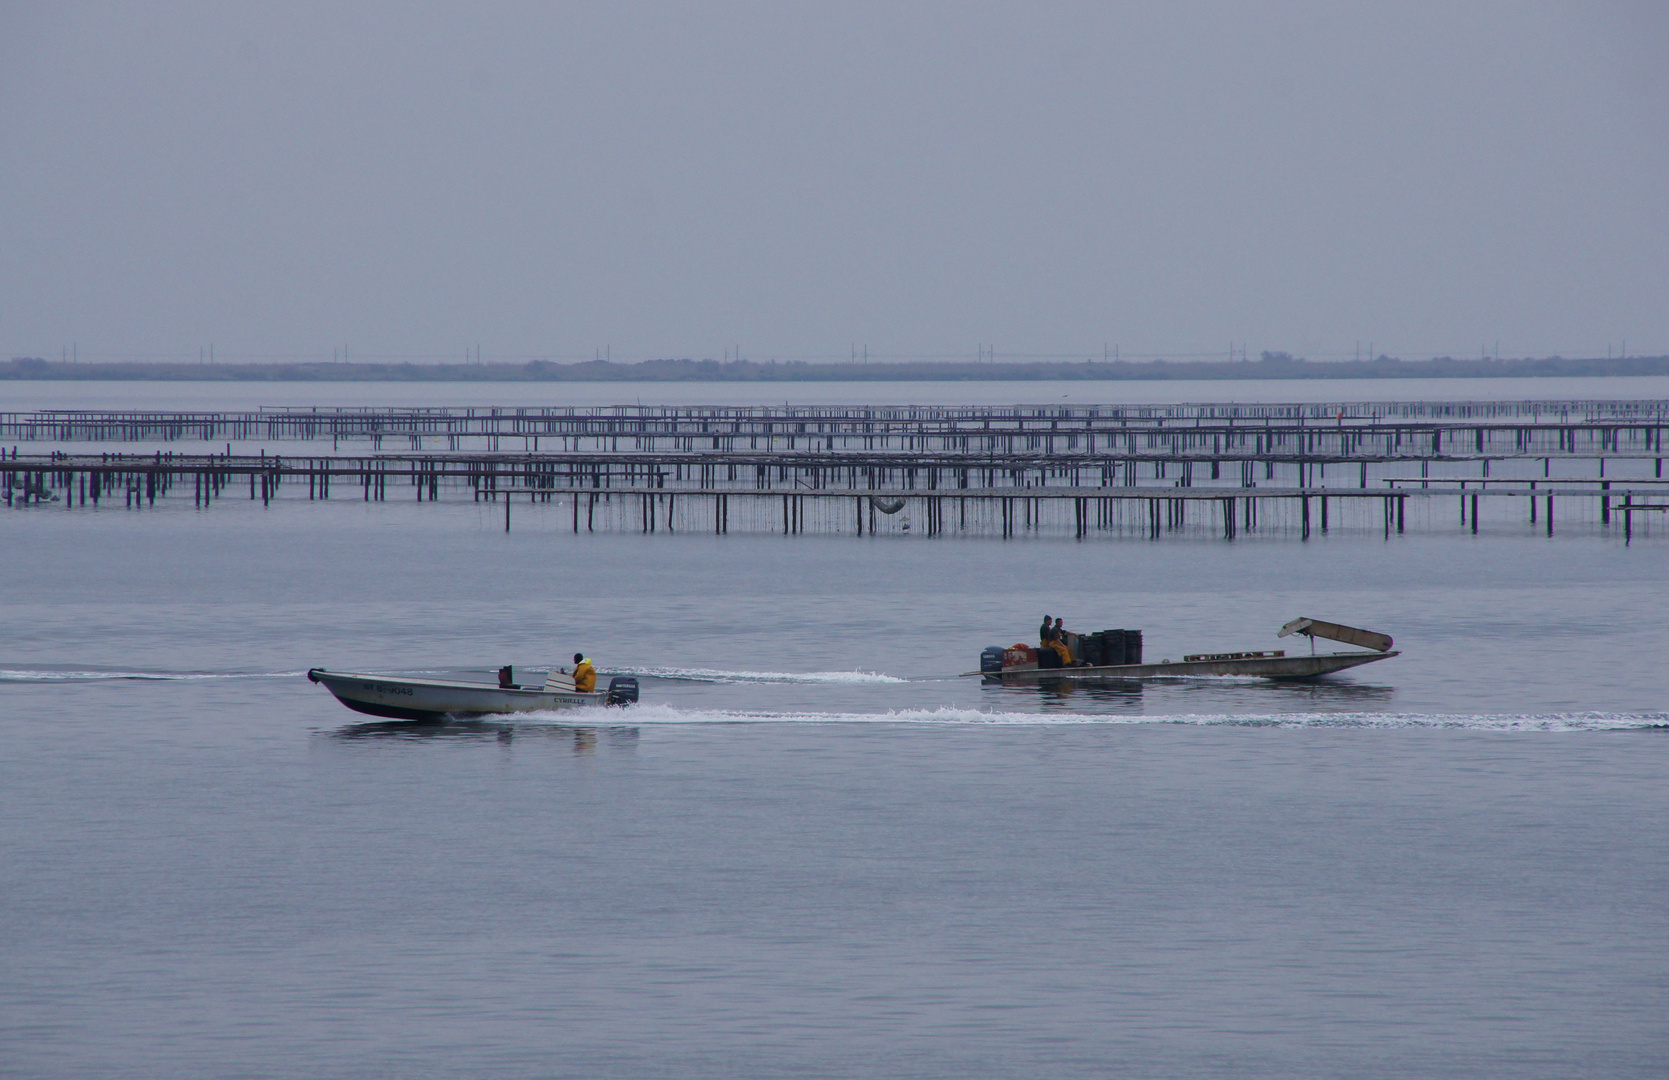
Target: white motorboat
x,y
405,698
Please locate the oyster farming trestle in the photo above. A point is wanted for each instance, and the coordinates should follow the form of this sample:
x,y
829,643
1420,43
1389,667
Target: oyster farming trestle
x,y
1224,469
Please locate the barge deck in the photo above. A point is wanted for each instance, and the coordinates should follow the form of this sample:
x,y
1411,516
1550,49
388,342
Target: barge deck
x,y
1269,667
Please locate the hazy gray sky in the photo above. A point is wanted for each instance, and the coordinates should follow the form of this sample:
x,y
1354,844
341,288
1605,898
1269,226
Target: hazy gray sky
x,y
675,179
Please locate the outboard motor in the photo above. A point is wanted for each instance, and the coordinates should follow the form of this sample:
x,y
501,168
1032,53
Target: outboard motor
x,y
622,690
991,660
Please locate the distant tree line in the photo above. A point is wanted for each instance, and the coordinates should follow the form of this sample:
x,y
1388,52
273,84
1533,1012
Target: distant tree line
x,y
1270,365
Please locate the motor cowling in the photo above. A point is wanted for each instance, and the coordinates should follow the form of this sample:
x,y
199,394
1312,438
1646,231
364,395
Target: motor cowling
x,y
991,660
622,690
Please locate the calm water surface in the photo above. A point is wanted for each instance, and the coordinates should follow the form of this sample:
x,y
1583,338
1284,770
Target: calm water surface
x,y
813,849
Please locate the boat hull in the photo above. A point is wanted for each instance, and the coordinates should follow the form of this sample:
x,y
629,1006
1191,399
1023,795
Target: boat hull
x,y
434,699
1268,667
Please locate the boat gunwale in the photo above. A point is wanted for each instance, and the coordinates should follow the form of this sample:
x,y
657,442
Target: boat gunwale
x,y
1193,668
320,674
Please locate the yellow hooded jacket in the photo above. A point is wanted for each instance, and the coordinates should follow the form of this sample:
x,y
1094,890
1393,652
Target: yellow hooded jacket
x,y
585,677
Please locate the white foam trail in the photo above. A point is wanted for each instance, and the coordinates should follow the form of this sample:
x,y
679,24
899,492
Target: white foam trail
x,y
668,714
848,678
839,678
27,675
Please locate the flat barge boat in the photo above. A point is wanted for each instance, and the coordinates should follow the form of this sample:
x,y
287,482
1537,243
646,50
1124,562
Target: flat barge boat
x,y
1019,665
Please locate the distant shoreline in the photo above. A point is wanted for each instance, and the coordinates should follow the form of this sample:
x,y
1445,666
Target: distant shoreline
x,y
1274,367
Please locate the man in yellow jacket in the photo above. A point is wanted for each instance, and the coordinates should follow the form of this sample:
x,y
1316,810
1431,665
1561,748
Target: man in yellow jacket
x,y
585,676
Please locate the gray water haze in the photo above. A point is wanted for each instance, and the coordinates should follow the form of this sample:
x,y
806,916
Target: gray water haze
x,y
813,849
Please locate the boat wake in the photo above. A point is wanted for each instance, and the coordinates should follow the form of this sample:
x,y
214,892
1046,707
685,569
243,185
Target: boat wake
x,y
708,675
649,714
28,675
714,675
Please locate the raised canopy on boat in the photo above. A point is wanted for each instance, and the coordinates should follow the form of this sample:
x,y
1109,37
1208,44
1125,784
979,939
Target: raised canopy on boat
x,y
1350,635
